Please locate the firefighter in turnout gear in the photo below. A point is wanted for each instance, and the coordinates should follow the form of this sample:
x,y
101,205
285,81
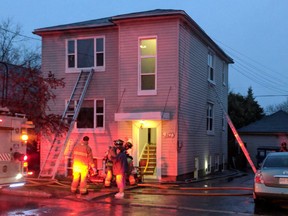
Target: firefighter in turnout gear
x,y
128,146
120,166
109,165
82,160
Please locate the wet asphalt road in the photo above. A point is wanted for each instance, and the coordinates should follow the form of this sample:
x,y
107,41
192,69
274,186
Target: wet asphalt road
x,y
169,199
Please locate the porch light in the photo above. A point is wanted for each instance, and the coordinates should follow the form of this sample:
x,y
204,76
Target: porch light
x,y
141,124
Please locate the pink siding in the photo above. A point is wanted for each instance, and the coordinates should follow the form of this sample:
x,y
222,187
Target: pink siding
x,y
102,86
166,32
182,89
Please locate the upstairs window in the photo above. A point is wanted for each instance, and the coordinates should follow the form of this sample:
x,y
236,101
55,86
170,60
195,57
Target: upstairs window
x,y
224,71
210,118
85,53
211,72
147,66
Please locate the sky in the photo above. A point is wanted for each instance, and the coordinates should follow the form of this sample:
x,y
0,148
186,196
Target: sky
x,y
252,32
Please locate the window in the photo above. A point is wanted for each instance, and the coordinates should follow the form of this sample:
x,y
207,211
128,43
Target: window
x,y
211,75
210,116
85,53
91,114
99,113
147,66
224,69
85,117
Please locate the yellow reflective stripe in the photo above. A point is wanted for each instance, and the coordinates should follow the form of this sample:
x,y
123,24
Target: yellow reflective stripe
x,y
80,153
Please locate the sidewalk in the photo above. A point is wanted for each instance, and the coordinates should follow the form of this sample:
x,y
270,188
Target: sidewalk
x,y
61,188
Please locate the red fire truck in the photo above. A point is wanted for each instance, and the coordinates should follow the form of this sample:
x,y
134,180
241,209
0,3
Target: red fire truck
x,y
13,143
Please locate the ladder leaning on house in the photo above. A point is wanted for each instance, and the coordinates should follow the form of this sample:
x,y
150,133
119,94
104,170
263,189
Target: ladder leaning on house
x,y
51,164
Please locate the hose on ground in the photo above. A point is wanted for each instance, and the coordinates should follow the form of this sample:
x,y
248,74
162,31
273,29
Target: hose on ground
x,y
172,190
45,182
190,194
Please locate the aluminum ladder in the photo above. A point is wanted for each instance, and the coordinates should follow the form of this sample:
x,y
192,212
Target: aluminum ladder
x,y
51,163
234,131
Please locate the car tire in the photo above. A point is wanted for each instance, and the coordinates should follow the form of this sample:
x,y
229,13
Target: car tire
x,y
258,201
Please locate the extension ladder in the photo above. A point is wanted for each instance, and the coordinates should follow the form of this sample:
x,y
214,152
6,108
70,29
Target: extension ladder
x,y
235,133
51,164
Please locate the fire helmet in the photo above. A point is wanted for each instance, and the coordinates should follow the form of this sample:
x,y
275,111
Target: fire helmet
x,y
118,142
128,145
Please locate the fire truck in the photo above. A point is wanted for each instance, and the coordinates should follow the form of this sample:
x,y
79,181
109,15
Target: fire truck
x,y
13,143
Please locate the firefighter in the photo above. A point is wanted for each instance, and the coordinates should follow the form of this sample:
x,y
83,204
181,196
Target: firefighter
x,y
120,166
108,167
128,146
82,160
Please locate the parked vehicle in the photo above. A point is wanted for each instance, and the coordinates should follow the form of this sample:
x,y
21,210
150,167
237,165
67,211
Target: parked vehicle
x,y
13,156
263,151
271,180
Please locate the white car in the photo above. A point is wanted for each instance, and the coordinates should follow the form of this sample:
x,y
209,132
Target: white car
x,y
271,180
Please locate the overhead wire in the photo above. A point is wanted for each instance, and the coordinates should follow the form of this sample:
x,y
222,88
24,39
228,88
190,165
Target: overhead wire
x,y
21,35
244,65
258,73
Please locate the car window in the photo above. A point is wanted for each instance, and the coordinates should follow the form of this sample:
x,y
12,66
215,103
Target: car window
x,y
276,161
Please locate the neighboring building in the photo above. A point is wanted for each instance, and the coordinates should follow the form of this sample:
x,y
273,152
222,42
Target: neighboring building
x,y
268,132
159,79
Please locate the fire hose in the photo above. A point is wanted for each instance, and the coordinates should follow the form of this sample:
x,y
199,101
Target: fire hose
x,y
45,182
175,190
162,189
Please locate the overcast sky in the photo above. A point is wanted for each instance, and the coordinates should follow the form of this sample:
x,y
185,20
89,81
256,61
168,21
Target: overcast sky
x,y
253,32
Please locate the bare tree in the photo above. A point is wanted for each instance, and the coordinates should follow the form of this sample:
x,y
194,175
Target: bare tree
x,y
24,89
274,108
13,46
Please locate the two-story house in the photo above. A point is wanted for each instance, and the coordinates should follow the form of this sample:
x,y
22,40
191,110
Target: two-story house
x,y
159,80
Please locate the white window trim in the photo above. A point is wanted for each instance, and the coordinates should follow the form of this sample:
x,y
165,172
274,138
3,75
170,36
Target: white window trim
x,y
224,72
147,92
91,130
77,70
210,52
95,114
211,132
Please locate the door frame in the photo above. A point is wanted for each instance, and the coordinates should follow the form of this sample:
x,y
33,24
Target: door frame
x,y
136,126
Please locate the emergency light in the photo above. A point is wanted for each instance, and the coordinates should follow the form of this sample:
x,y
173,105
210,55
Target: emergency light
x,y
24,137
20,157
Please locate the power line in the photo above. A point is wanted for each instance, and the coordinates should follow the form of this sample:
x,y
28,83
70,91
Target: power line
x,y
259,73
271,95
32,38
